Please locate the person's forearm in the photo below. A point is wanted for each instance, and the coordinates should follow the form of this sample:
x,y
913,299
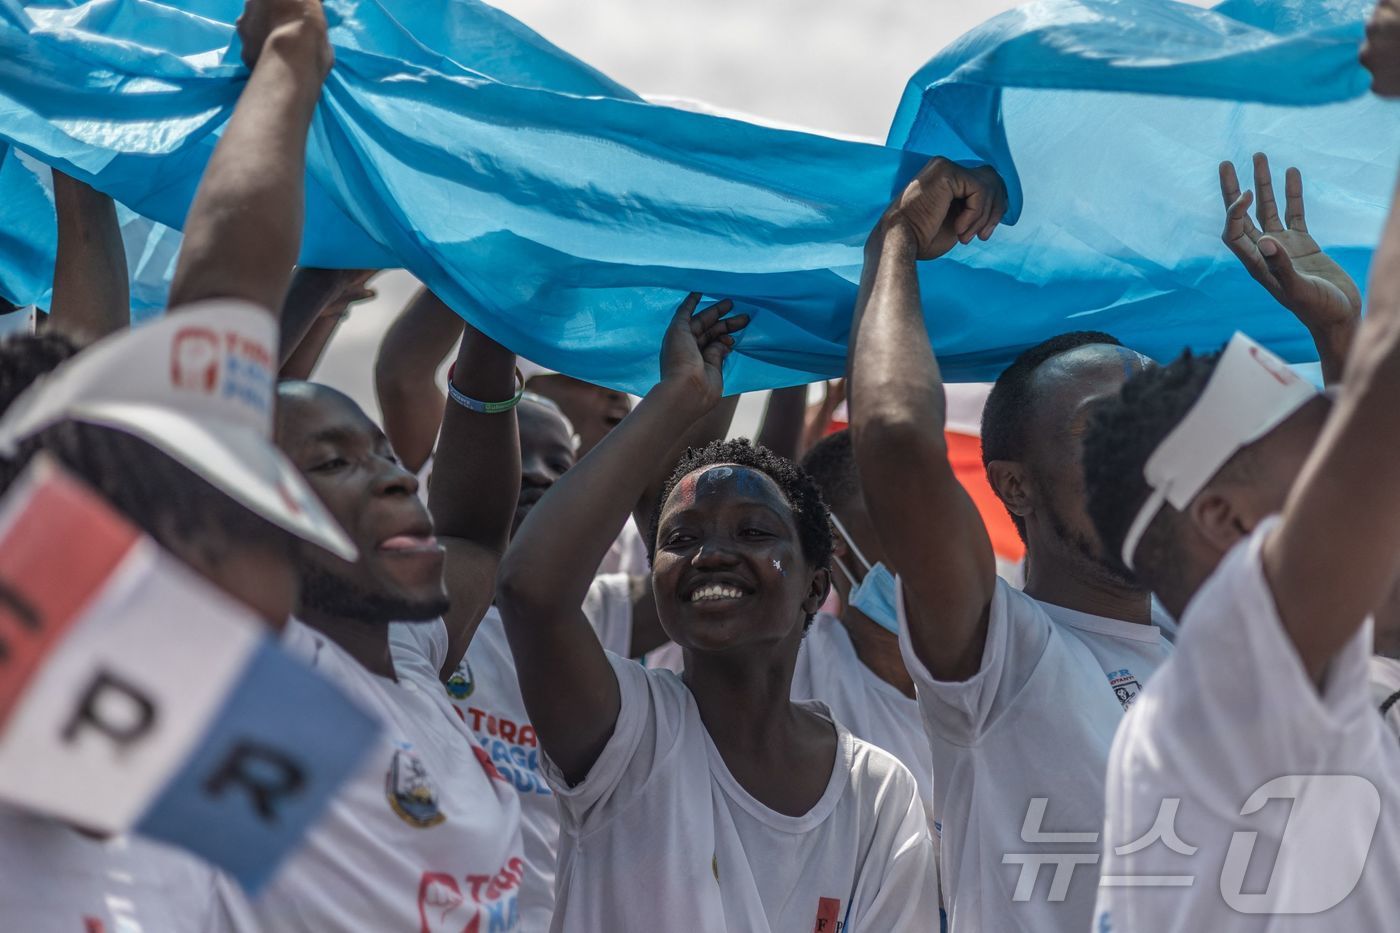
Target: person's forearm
x,y
308,297
476,475
302,361
243,232
557,549
783,421
405,375
1333,347
894,377
91,294
1348,492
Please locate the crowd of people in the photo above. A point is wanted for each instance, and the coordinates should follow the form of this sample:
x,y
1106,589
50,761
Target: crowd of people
x,y
632,675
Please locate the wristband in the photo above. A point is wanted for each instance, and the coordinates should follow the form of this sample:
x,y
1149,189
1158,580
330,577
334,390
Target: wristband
x,y
478,406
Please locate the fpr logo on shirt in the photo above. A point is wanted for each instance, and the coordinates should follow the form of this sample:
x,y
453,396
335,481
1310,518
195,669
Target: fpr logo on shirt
x,y
1125,686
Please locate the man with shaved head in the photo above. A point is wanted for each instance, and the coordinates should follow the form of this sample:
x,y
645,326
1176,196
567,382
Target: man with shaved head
x,y
1021,692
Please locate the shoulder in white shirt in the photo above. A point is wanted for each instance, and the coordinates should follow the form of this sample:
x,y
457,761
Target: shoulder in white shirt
x,y
54,879
1230,723
661,835
1028,736
427,835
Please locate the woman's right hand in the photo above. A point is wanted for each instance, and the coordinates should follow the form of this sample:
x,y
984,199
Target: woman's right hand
x,y
694,348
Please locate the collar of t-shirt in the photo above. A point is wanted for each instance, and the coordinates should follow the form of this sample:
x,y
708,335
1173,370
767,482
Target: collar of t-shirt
x,y
1102,625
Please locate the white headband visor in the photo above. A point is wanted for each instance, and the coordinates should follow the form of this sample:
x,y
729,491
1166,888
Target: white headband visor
x,y
1250,393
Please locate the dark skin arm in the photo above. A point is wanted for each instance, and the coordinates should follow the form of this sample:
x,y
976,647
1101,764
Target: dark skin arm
x,y
243,231
1285,259
568,685
1348,494
475,486
819,416
405,376
317,302
934,540
783,422
91,294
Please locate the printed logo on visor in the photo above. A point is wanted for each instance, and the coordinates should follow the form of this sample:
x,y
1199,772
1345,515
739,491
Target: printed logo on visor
x,y
229,366
194,360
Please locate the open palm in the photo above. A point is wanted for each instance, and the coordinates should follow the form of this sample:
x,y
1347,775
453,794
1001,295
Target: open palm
x,y
695,345
1283,256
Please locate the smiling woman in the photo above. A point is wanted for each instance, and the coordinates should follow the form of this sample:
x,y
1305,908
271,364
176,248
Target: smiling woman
x,y
733,806
728,521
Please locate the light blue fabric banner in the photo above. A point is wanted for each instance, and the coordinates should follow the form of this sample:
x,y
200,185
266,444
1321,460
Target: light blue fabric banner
x,y
566,218
29,242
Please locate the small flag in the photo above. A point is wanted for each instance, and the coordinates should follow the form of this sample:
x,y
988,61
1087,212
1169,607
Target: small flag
x,y
136,697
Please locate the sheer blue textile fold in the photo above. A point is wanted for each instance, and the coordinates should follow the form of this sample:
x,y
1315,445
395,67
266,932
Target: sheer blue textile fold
x,y
566,217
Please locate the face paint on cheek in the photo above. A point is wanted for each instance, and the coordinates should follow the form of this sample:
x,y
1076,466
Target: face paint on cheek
x,y
778,566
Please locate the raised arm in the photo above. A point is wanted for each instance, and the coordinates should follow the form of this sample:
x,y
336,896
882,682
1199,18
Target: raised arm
x,y
1341,523
405,376
1286,260
475,485
316,304
818,416
568,685
783,422
91,294
930,529
243,231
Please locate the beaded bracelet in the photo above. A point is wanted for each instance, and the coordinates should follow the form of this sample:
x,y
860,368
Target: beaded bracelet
x,y
478,406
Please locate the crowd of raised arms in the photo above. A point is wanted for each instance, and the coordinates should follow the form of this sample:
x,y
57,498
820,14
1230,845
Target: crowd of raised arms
x,y
633,676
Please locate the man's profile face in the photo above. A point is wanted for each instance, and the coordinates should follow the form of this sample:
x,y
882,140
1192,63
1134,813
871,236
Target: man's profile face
x,y
348,463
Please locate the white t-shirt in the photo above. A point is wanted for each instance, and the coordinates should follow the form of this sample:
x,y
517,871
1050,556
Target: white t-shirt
x,y
1232,711
54,879
1031,728
828,669
1385,683
661,836
485,692
427,835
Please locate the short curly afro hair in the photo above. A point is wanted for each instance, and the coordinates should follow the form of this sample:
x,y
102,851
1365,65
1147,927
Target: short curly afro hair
x,y
809,511
24,358
832,465
1010,409
1123,433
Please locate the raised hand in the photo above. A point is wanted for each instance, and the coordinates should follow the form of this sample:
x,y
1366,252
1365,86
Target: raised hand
x,y
262,18
695,345
1283,256
947,204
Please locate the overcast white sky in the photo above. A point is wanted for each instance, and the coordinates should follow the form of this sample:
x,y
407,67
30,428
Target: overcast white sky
x,y
828,64
833,65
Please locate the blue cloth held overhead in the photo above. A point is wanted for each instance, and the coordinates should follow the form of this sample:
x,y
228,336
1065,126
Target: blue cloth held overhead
x,y
566,218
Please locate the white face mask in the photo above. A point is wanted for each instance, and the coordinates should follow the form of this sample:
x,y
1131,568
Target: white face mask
x,y
874,594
